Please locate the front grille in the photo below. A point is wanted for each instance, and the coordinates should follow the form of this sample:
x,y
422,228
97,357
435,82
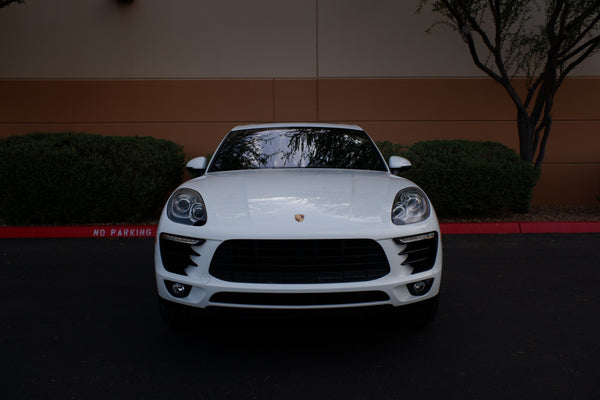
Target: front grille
x,y
176,252
299,261
420,253
299,299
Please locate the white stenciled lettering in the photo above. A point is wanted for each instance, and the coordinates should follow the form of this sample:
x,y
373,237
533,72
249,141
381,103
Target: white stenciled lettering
x,y
125,232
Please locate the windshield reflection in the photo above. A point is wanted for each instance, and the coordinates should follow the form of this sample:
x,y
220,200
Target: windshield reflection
x,y
297,148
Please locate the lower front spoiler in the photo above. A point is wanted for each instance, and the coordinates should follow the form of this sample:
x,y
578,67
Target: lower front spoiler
x,y
414,314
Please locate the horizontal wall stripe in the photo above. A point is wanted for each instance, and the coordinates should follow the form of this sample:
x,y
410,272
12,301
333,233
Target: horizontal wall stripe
x,y
477,99
413,100
569,143
568,184
136,100
197,114
222,100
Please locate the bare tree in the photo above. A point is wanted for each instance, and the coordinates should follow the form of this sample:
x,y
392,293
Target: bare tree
x,y
541,40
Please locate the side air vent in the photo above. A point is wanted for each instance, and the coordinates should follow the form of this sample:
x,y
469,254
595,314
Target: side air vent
x,y
420,251
176,252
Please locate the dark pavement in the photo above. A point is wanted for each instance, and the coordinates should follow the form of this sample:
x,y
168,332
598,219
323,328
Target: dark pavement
x,y
519,319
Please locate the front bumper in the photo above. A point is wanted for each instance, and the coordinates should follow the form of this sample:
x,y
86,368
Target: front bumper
x,y
203,290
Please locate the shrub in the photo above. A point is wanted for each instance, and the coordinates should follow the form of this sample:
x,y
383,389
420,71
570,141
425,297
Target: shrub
x,y
63,178
471,178
389,149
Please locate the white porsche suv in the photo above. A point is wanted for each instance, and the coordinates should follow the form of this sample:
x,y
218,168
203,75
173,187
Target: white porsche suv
x,y
298,217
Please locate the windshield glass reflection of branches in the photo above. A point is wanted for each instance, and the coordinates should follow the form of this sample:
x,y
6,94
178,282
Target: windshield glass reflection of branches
x,y
298,148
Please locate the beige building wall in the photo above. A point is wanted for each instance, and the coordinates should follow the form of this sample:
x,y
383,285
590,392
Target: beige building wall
x,y
157,39
215,39
189,70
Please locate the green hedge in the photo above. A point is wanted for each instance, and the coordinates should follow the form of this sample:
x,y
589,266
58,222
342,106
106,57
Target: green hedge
x,y
465,178
389,149
65,178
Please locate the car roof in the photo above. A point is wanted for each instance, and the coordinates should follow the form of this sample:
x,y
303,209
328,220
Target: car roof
x,y
296,125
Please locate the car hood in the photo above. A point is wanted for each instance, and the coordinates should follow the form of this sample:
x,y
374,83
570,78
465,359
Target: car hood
x,y
277,202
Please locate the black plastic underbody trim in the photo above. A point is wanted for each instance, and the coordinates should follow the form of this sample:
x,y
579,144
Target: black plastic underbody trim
x,y
299,299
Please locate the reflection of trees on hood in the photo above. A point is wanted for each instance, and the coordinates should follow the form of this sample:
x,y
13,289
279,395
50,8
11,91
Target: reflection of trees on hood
x,y
298,148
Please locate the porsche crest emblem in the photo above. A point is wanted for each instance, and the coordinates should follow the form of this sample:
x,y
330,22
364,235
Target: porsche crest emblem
x,y
299,217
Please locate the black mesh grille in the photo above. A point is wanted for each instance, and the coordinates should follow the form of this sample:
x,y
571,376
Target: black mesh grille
x,y
176,255
420,254
299,261
299,299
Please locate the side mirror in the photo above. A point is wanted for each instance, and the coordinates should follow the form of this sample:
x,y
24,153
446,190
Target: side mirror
x,y
399,164
197,166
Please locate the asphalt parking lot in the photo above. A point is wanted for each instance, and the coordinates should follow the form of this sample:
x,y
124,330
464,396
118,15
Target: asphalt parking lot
x,y
518,319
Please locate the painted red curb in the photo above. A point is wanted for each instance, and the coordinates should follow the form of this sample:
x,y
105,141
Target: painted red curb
x,y
480,228
520,227
99,231
148,231
560,227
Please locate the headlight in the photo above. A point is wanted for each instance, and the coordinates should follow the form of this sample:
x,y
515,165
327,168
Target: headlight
x,y
187,207
410,206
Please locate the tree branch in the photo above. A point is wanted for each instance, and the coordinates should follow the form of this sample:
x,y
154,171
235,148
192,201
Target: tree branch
x,y
532,89
498,22
591,26
552,20
484,37
593,44
547,124
4,3
547,55
464,29
579,20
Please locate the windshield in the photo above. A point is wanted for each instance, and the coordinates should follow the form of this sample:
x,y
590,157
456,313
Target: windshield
x,y
297,148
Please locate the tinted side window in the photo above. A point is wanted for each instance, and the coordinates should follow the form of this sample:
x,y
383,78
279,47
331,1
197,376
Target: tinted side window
x,y
297,148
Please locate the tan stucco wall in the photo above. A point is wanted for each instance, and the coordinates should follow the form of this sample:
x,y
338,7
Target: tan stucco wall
x,y
189,70
197,113
157,39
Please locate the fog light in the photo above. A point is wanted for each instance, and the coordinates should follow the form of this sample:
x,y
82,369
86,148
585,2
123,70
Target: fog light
x,y
420,288
177,289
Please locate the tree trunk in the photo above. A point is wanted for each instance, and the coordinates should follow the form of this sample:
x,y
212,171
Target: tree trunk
x,y
526,132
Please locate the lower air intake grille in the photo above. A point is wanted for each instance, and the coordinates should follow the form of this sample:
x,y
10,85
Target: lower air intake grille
x,y
299,299
299,261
